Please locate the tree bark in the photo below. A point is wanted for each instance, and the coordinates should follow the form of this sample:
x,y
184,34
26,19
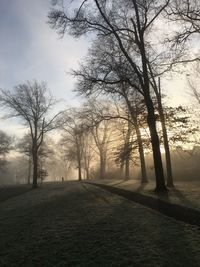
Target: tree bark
x,y
79,168
102,167
167,150
122,170
139,141
79,173
29,170
141,152
87,168
87,173
35,169
86,165
170,182
127,150
151,120
127,169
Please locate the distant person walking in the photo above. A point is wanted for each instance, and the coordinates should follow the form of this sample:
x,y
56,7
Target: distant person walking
x,y
62,179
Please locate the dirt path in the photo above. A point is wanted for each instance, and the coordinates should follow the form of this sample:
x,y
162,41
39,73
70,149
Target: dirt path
x,y
75,224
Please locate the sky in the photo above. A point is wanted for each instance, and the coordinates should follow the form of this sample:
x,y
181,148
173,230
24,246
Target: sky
x,y
30,49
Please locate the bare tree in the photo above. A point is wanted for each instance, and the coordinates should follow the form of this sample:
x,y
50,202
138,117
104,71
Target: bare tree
x,y
5,146
186,17
158,92
187,14
129,23
93,117
25,146
127,150
5,143
105,71
193,79
136,110
73,137
88,153
31,102
124,150
101,133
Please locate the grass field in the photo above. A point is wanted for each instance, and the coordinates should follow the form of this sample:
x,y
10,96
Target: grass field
x,y
7,192
184,193
76,224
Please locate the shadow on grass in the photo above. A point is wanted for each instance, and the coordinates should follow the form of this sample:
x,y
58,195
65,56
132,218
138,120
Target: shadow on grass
x,y
158,241
161,204
141,187
182,198
13,191
118,183
88,227
146,239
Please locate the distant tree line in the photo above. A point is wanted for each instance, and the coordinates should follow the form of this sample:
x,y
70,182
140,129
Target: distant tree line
x,y
127,58
131,54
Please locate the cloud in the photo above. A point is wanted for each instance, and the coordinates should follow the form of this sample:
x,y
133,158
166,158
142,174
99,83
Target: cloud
x,y
31,50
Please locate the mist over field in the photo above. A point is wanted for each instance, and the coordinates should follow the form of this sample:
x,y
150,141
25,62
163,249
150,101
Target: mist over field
x,y
100,133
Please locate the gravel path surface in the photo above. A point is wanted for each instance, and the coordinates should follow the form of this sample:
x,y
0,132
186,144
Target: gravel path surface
x,y
76,224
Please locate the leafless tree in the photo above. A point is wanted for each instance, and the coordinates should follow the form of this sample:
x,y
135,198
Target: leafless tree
x,y
31,102
136,111
124,149
129,111
129,23
187,14
158,93
106,71
193,79
100,129
73,137
101,134
88,153
5,146
24,146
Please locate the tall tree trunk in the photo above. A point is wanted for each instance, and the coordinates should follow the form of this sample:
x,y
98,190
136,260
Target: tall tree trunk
x,y
139,141
141,151
79,169
122,170
128,152
170,182
29,170
102,166
127,169
87,173
79,158
35,156
167,150
79,173
151,120
87,167
35,169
